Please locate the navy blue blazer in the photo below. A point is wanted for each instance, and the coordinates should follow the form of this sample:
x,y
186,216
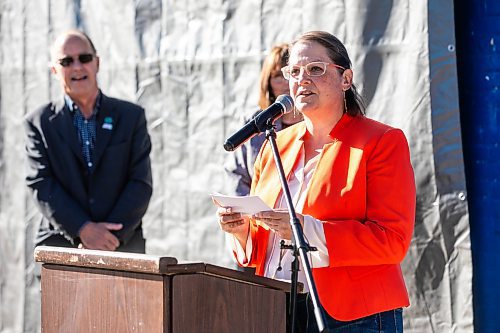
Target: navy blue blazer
x,y
120,186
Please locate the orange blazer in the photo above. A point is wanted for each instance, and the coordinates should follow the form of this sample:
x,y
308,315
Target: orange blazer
x,y
363,190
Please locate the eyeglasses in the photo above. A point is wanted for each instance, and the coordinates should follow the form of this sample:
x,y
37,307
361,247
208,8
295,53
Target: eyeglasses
x,y
315,68
84,58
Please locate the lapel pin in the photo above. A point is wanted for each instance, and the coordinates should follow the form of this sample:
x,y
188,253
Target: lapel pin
x,y
108,123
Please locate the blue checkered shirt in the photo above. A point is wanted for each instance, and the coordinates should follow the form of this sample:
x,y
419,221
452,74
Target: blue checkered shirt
x,y
86,129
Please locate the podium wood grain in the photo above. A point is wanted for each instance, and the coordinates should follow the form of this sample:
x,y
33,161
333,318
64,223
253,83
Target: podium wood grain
x,y
99,291
76,299
204,303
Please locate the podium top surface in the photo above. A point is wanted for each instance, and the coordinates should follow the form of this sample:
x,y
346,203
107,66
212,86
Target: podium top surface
x,y
144,263
134,262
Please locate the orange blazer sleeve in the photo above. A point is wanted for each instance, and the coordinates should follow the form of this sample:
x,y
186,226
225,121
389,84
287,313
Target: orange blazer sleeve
x,y
384,234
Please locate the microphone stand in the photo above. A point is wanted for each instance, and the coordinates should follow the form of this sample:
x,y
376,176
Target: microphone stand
x,y
299,245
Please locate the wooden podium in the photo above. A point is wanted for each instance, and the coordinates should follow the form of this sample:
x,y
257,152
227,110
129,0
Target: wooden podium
x,y
100,291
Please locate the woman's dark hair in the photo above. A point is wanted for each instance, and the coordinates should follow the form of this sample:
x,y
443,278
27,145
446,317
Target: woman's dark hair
x,y
338,54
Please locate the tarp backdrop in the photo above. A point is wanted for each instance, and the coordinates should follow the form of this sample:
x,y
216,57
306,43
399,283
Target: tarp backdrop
x,y
194,65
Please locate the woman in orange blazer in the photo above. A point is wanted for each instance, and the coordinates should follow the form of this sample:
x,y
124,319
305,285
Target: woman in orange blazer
x,y
353,189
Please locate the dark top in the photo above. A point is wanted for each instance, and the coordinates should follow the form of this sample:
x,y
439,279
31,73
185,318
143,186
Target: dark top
x,y
117,190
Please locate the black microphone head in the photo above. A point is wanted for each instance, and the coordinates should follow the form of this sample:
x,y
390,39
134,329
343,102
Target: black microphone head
x,y
286,101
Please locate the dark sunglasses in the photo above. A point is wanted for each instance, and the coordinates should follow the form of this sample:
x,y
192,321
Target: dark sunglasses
x,y
83,58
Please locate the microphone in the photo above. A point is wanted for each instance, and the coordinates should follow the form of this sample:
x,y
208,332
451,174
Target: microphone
x,y
259,123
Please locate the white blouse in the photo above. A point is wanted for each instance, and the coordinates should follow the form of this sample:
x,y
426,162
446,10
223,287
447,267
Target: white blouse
x,y
298,183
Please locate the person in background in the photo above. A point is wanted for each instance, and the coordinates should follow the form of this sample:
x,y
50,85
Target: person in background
x,y
89,169
239,165
353,188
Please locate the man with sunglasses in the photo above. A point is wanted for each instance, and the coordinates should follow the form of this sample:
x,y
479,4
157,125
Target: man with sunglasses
x,y
88,158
